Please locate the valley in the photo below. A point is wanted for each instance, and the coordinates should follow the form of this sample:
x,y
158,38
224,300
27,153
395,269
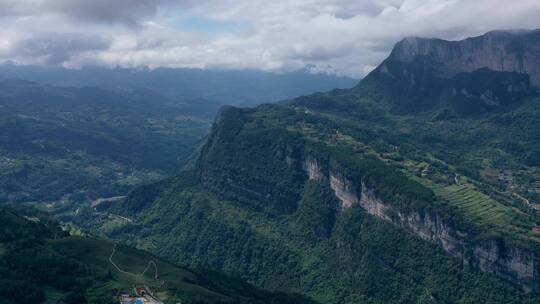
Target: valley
x,y
298,152
335,194
61,147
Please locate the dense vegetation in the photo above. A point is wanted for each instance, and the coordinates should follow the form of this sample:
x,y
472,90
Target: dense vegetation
x,y
489,155
116,128
79,144
249,210
462,147
334,257
41,262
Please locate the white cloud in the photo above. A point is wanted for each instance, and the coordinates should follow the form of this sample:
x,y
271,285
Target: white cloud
x,y
349,36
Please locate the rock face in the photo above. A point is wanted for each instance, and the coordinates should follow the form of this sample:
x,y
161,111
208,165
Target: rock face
x,y
344,189
313,169
513,264
501,51
472,76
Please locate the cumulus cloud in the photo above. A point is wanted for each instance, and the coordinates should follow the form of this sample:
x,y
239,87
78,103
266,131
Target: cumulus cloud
x,y
342,36
17,8
128,12
58,48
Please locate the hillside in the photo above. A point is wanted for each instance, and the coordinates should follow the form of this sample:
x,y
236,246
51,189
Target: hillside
x,y
41,263
62,145
87,135
395,191
478,74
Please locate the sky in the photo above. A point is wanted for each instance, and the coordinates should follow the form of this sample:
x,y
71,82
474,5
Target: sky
x,y
346,37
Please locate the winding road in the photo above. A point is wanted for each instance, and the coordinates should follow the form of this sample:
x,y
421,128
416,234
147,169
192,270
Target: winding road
x,y
133,274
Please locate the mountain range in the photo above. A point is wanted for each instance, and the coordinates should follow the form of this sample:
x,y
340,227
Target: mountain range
x,y
419,185
78,136
184,86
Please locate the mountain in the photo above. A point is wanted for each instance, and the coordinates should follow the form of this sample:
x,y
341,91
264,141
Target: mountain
x,y
473,75
82,136
67,144
181,86
500,51
41,262
394,191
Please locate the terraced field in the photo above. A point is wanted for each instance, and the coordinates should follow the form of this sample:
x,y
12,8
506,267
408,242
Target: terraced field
x,y
478,209
485,212
478,206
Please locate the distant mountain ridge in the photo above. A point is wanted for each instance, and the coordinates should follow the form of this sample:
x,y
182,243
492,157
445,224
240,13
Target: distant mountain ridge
x,y
188,85
501,51
60,144
127,122
475,75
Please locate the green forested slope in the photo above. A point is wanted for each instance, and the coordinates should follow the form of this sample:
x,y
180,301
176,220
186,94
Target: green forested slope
x,y
230,215
41,263
334,257
62,145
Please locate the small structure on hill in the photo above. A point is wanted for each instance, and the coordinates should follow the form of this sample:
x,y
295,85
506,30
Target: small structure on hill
x,y
140,295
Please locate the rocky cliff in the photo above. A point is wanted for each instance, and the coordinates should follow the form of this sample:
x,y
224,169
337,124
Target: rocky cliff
x,y
514,264
476,75
501,51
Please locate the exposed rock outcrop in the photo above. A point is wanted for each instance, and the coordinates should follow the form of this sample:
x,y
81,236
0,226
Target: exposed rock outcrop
x,y
511,263
472,76
344,189
314,169
501,51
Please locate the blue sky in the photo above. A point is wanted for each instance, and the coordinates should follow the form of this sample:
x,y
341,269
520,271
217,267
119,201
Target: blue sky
x,y
348,37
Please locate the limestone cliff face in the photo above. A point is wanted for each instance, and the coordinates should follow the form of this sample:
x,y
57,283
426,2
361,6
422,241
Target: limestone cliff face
x,y
373,205
513,264
501,51
313,169
344,189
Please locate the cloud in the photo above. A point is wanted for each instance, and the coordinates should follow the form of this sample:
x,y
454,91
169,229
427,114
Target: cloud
x,y
17,8
58,48
351,36
127,12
